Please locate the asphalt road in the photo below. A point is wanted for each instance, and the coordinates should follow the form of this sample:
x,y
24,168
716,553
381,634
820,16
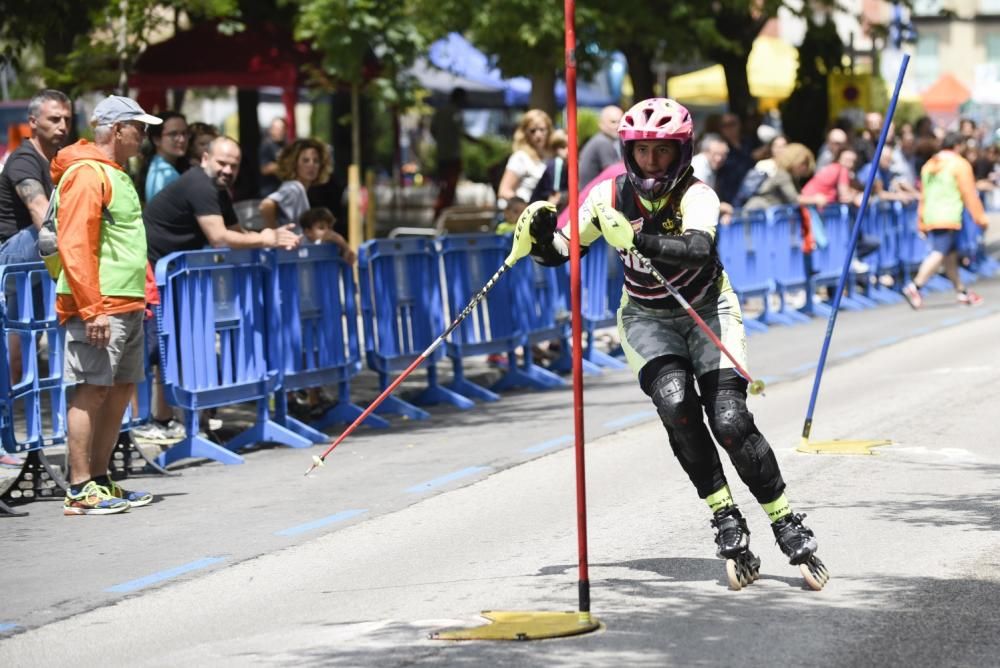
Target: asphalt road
x,y
419,527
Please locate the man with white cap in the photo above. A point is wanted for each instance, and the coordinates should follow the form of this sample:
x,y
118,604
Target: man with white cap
x,y
101,298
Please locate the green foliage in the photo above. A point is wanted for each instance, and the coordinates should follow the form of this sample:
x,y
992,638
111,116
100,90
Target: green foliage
x,y
478,159
100,58
587,124
908,112
524,37
363,41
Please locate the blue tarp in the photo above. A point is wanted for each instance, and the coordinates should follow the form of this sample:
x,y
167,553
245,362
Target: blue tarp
x,y
457,55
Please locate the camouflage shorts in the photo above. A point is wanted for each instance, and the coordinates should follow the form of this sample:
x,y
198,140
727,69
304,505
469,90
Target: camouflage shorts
x,y
650,333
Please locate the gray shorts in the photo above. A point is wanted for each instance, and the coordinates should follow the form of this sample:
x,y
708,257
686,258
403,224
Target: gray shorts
x,y
123,361
650,333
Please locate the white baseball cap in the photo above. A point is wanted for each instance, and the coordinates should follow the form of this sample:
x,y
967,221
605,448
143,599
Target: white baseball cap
x,y
115,109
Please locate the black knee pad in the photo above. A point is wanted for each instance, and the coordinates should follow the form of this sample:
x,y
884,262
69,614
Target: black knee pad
x,y
751,454
730,419
676,400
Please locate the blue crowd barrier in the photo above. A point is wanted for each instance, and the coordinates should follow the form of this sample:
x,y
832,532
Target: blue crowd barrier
x,y
402,311
246,326
748,270
34,404
828,260
318,335
781,237
881,222
973,246
218,312
493,327
602,276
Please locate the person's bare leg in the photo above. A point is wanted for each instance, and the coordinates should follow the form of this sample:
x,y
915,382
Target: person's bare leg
x,y
951,271
161,410
82,415
107,427
928,268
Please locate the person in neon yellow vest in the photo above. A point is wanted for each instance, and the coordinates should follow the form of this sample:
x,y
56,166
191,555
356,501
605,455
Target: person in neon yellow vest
x,y
949,187
100,298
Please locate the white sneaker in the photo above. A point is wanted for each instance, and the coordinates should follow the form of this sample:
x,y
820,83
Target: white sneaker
x,y
859,267
155,432
150,432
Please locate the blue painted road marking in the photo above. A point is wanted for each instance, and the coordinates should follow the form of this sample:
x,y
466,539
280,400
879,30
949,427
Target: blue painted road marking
x,y
629,419
445,479
133,585
551,443
802,368
322,522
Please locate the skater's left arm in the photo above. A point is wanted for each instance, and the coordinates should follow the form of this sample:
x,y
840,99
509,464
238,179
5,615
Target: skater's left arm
x,y
699,210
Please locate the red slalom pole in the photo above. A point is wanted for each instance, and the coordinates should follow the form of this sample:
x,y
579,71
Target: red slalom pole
x,y
574,282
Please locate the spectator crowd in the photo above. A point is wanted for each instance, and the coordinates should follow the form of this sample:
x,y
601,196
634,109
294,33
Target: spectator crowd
x,y
101,212
169,183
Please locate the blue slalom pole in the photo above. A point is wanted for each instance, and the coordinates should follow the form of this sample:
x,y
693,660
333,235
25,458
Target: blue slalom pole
x,y
807,427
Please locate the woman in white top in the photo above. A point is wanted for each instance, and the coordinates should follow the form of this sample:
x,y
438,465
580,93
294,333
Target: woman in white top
x,y
527,163
301,164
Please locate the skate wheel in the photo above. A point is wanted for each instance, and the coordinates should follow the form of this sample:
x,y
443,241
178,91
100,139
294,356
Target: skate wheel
x,y
815,573
734,575
743,570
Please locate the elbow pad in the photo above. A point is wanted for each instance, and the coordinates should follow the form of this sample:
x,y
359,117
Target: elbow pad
x,y
691,249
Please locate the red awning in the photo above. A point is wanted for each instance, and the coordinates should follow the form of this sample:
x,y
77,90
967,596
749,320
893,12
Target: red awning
x,y
945,94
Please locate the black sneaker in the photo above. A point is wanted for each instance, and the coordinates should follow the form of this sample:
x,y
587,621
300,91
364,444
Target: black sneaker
x,y
794,538
732,534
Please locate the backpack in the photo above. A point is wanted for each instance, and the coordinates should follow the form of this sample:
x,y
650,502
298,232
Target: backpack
x,y
752,182
48,245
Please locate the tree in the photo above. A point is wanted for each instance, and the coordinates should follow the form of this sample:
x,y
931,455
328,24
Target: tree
x,y
94,45
820,54
526,37
364,44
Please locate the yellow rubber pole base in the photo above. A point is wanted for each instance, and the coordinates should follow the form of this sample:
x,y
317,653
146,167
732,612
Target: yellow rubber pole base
x,y
838,447
521,625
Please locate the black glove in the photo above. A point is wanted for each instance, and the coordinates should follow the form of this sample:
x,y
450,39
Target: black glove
x,y
543,221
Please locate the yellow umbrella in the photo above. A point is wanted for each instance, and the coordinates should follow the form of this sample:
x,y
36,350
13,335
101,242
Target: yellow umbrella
x,y
770,70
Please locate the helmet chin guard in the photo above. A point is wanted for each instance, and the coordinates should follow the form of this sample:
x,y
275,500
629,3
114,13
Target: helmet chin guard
x,y
657,118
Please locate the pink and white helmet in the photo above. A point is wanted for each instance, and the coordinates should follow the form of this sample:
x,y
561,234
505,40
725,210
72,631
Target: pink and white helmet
x,y
657,118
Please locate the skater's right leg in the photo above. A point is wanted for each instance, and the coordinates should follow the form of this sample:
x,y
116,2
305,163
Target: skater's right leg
x,y
669,382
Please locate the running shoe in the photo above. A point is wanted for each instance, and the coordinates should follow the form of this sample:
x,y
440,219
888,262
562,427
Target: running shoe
x,y
135,499
93,500
969,298
912,295
158,432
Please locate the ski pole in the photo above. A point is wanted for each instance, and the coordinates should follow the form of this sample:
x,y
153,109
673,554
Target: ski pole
x,y
521,247
855,233
756,386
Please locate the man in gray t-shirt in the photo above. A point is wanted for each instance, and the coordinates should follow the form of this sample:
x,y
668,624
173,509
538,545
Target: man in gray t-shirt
x,y
602,149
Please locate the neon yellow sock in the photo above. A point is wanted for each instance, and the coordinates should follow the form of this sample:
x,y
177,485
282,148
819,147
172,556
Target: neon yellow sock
x,y
720,499
777,508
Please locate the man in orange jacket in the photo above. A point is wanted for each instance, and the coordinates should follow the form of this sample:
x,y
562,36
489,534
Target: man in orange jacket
x,y
100,298
949,187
